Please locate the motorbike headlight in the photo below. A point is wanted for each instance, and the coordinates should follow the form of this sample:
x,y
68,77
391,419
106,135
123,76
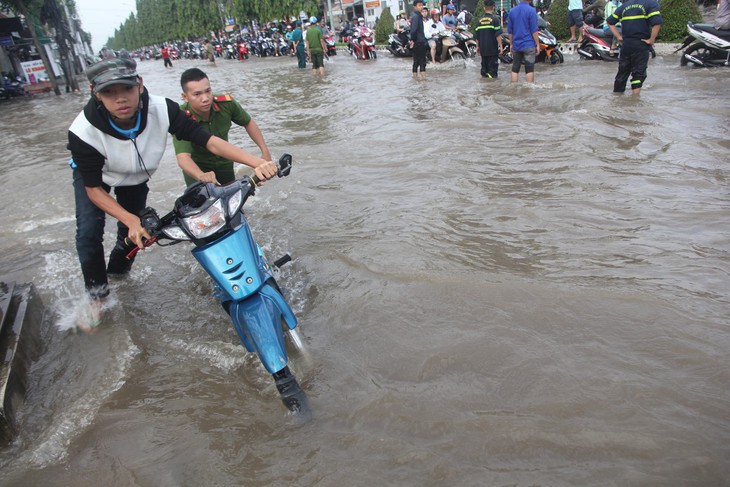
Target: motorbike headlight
x,y
175,233
234,203
206,223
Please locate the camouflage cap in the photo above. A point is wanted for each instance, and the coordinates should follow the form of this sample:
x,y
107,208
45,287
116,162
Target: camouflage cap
x,y
113,71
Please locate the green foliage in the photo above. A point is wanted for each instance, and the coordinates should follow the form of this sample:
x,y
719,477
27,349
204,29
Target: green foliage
x,y
557,15
157,21
384,27
477,14
676,14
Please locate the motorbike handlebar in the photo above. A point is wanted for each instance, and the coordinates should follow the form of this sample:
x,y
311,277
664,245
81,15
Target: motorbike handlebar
x,y
152,222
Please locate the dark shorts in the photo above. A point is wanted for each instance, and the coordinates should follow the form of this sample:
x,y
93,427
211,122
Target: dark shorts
x,y
317,59
527,57
575,17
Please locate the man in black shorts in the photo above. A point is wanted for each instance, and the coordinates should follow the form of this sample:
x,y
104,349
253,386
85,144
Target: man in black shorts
x,y
575,19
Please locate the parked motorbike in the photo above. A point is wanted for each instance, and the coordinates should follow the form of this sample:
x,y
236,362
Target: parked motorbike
x,y
242,50
284,47
212,218
362,34
549,52
596,44
13,87
465,40
231,51
448,48
708,47
398,45
506,55
331,46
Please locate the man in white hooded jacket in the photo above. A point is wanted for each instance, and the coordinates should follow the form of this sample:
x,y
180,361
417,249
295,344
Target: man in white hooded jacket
x,y
117,142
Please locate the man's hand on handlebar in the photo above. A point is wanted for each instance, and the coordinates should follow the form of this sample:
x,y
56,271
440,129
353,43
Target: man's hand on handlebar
x,y
265,171
209,177
137,233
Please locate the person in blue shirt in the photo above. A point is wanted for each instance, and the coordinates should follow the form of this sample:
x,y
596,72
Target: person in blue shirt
x,y
575,20
449,19
525,45
640,21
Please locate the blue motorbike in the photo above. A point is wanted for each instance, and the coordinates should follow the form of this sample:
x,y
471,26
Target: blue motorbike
x,y
212,218
12,87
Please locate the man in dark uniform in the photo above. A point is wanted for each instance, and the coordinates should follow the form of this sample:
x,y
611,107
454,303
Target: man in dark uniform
x,y
640,21
489,36
216,114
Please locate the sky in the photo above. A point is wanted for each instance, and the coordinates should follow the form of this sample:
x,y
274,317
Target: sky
x,y
100,18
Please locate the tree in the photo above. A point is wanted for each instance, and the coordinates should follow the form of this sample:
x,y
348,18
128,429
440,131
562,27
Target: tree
x,y
158,21
476,15
676,14
384,27
557,15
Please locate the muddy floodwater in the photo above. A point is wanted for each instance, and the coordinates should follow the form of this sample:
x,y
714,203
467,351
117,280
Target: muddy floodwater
x,y
496,284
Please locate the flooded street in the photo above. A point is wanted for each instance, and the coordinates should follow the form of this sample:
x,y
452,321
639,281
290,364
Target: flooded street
x,y
497,284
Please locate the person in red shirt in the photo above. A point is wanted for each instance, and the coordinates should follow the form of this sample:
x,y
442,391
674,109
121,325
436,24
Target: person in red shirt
x,y
166,56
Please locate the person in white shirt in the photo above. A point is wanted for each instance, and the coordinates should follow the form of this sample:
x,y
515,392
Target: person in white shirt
x,y
433,29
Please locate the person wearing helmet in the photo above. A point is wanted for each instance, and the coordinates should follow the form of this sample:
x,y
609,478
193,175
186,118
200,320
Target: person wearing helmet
x,y
314,40
449,19
433,29
312,20
361,32
401,26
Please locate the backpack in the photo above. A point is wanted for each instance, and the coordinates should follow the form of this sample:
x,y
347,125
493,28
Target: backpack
x,y
467,17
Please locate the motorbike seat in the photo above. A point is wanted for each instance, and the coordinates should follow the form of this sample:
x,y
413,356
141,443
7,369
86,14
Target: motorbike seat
x,y
605,34
710,29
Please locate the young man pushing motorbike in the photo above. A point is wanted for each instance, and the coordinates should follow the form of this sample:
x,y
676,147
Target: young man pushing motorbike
x,y
118,141
216,114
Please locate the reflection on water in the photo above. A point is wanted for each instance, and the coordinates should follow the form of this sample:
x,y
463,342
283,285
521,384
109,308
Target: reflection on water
x,y
496,284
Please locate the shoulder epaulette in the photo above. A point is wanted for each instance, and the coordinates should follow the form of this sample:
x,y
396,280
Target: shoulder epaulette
x,y
225,97
190,114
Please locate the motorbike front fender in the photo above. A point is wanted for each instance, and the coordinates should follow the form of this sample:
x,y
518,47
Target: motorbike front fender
x,y
257,320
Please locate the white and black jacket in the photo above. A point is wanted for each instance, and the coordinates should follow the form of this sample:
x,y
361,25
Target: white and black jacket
x,y
103,155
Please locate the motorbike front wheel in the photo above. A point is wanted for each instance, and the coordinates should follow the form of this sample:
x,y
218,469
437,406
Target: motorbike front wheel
x,y
291,393
556,57
457,56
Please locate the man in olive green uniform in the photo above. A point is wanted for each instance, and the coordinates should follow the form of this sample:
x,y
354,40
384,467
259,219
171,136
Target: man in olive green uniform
x,y
215,113
314,40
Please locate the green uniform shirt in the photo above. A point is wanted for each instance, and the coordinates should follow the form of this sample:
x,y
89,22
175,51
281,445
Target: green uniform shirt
x,y
224,111
314,37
